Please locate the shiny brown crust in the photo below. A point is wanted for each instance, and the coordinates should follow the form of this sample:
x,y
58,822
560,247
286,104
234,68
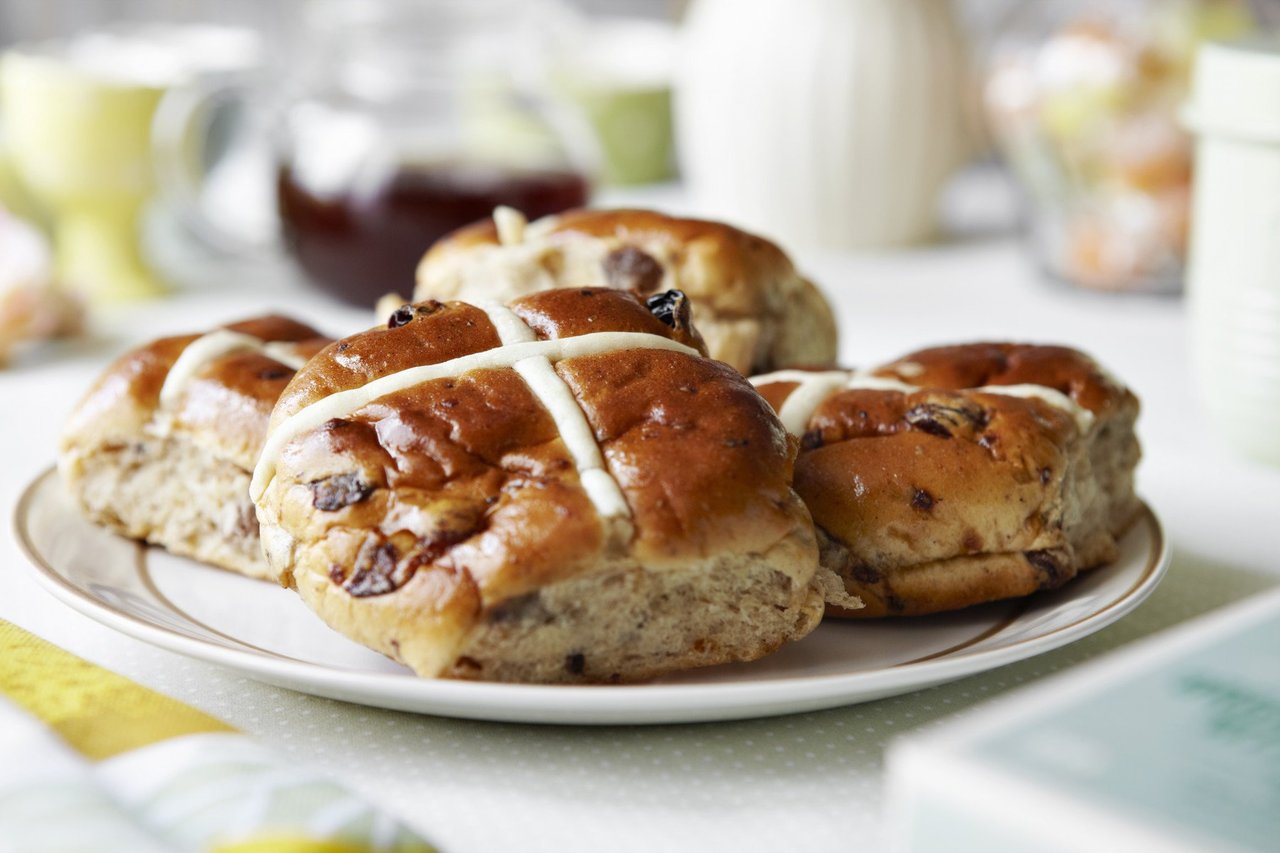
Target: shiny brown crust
x,y
217,427
756,312
442,524
947,496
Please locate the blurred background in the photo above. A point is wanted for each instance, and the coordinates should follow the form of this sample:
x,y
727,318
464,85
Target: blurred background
x,y
336,139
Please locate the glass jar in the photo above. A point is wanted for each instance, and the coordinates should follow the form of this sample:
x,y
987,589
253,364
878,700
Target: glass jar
x,y
1083,97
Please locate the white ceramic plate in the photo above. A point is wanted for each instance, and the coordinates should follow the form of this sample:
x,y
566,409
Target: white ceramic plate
x,y
266,632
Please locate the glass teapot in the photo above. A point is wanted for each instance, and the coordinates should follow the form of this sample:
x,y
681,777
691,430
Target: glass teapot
x,y
404,121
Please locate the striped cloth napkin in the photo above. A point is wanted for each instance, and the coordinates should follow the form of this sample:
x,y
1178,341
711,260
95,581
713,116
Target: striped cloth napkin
x,y
91,761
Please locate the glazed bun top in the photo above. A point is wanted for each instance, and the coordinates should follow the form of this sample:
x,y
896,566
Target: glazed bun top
x,y
523,441
756,311
220,386
1060,383
432,332
1068,371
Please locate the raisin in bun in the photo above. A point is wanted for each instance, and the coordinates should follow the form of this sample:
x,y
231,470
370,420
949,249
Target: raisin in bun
x,y
563,489
755,311
962,474
162,446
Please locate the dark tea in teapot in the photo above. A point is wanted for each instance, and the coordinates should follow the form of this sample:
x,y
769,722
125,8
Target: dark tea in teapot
x,y
363,242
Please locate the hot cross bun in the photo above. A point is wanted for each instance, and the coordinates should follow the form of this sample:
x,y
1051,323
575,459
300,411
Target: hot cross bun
x,y
561,489
162,446
962,474
755,311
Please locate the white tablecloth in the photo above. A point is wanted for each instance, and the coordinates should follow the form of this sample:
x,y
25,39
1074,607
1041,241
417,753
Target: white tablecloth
x,y
806,782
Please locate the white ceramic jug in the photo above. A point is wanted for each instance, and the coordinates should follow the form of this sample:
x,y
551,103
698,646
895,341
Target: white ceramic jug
x,y
822,123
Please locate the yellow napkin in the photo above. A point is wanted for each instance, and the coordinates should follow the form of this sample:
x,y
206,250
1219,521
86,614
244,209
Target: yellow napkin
x,y
90,760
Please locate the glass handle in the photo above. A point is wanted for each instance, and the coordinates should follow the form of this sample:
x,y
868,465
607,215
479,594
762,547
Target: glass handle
x,y
207,167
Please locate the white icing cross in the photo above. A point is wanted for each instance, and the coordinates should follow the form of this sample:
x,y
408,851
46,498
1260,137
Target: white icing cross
x,y
510,224
520,350
214,345
556,397
815,388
